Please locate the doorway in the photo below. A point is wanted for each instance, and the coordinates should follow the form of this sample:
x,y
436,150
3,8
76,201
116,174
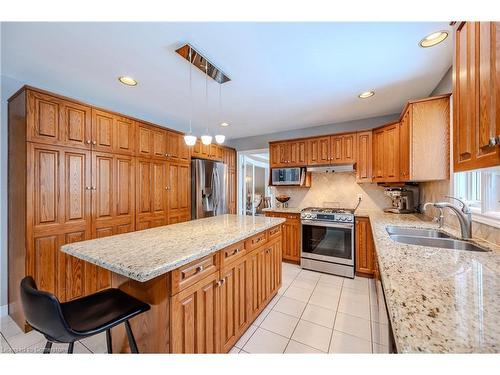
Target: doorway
x,y
253,180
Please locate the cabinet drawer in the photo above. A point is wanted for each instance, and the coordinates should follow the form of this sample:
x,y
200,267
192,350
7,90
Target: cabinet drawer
x,y
274,232
231,253
256,241
193,272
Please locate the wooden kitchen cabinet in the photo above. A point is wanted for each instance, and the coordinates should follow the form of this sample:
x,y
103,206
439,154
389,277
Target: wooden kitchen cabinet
x,y
291,244
288,154
364,248
179,192
386,153
112,133
235,307
343,148
364,157
424,144
55,121
318,151
210,314
78,172
151,193
195,318
476,92
113,193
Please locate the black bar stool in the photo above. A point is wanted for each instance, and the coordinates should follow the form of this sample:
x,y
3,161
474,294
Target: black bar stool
x,y
83,317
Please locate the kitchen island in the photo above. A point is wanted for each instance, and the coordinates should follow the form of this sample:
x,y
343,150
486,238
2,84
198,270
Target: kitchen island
x,y
206,280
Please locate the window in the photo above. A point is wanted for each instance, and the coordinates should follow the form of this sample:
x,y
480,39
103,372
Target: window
x,y
481,190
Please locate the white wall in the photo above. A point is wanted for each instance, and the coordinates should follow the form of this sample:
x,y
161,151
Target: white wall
x,y
444,86
261,141
8,87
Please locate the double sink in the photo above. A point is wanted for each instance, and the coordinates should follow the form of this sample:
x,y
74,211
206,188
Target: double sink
x,y
430,238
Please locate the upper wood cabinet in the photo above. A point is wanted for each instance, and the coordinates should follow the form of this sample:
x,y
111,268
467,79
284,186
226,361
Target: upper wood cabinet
x,y
476,93
336,149
288,154
424,140
56,121
112,133
386,153
364,157
212,151
318,151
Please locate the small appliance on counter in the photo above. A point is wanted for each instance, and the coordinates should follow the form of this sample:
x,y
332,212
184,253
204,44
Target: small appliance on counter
x,y
283,199
404,199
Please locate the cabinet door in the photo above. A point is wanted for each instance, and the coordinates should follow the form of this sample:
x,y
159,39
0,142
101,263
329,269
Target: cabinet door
x,y
298,153
151,193
178,192
255,266
291,240
195,318
124,129
349,146
72,271
364,157
234,303
336,149
391,153
378,155
173,148
57,121
488,132
196,150
144,140
318,151
404,146
220,154
102,131
274,155
112,133
364,247
159,143
113,193
231,191
284,153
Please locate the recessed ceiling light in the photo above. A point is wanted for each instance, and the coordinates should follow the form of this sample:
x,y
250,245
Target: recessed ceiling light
x,y
129,81
433,39
366,94
224,124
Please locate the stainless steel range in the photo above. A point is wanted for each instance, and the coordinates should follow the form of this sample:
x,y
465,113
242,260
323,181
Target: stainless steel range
x,y
328,240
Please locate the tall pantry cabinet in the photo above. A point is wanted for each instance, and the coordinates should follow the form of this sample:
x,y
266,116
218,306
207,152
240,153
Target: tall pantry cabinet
x,y
77,172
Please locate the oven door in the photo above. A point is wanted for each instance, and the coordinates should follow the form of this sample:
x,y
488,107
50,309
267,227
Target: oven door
x,y
330,242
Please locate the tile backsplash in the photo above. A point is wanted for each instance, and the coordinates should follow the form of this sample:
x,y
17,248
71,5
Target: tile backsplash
x,y
342,189
338,188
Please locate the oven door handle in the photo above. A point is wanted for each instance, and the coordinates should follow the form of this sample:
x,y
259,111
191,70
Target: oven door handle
x,y
329,225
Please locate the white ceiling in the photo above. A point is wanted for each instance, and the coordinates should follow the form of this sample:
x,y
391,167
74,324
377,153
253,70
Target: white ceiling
x,y
284,75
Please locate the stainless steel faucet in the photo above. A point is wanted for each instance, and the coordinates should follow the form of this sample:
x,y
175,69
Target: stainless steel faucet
x,y
463,215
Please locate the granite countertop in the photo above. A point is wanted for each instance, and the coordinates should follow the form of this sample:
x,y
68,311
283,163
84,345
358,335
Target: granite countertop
x,y
285,210
145,254
439,300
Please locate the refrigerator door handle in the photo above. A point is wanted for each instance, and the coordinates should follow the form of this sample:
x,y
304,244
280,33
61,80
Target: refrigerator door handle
x,y
214,191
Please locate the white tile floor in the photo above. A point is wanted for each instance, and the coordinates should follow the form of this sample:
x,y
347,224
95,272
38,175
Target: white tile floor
x,y
312,313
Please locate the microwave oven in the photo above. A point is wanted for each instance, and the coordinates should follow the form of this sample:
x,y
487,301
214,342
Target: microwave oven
x,y
288,176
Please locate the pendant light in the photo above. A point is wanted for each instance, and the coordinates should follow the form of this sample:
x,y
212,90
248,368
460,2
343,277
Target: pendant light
x,y
220,138
189,138
206,139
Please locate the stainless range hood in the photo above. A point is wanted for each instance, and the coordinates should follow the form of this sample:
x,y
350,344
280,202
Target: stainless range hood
x,y
338,168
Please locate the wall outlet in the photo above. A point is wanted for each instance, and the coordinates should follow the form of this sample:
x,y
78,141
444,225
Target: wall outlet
x,y
360,197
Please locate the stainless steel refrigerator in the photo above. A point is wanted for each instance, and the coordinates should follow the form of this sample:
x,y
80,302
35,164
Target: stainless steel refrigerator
x,y
208,188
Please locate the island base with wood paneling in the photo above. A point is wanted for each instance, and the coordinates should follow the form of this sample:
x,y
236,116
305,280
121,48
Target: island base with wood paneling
x,y
205,306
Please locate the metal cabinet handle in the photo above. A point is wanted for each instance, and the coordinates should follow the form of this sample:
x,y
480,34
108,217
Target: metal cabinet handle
x,y
218,283
199,269
223,281
87,188
88,141
493,142
94,142
94,188
236,251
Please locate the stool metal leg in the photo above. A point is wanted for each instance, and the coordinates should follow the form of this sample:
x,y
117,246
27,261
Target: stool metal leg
x,y
109,343
48,346
131,339
70,347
